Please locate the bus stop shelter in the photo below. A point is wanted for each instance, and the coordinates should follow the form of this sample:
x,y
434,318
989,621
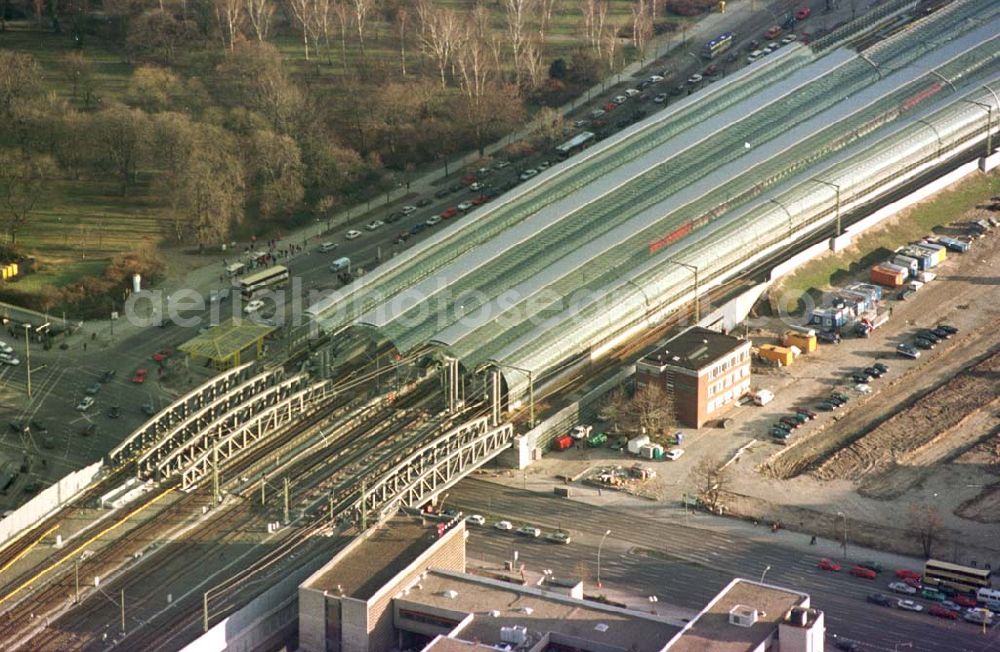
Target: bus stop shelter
x,y
228,344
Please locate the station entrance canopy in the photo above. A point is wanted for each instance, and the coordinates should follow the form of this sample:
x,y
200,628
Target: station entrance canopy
x,y
224,345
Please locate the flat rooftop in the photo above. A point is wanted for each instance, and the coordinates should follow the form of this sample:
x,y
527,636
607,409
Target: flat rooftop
x,y
711,630
694,349
540,613
361,570
444,644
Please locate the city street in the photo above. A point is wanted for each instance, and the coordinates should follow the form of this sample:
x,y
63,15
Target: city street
x,y
648,553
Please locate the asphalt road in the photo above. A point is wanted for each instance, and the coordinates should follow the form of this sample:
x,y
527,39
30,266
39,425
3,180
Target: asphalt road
x,y
688,565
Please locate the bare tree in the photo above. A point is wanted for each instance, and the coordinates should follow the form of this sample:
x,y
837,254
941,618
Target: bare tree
x,y
22,179
617,410
642,26
259,13
545,10
710,482
516,13
440,35
925,526
402,18
343,15
654,409
304,13
610,39
121,135
78,71
229,15
361,10
532,61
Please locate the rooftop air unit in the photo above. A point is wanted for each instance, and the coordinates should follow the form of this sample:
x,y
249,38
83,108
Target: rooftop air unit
x,y
743,616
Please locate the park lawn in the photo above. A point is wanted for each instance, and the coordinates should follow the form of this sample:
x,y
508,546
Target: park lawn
x,y
110,73
59,272
875,245
93,221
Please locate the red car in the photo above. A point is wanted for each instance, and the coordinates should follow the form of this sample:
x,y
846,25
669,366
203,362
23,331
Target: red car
x,y
964,601
139,376
828,565
772,33
904,574
468,179
866,573
915,583
802,13
941,612
449,213
162,355
481,199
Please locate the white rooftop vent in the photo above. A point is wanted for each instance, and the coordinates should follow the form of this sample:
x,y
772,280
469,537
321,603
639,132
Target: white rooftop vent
x,y
743,616
601,627
495,613
517,634
451,594
527,610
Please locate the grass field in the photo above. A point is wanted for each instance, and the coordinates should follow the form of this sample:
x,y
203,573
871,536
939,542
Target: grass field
x,y
876,245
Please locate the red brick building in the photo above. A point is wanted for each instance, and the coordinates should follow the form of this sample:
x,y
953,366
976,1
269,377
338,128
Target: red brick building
x,y
704,371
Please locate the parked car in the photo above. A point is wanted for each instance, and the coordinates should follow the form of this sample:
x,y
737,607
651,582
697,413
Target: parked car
x,y
529,531
929,335
941,333
93,389
423,201
871,565
790,38
253,306
449,213
465,205
10,359
942,612
862,379
951,605
827,406
505,526
527,174
863,388
432,220
904,573
139,376
352,234
107,375
862,572
374,224
441,194
161,355
660,98
880,599
619,100
695,79
924,343
655,79
558,537
907,351
791,422
85,403
476,519
915,583
802,13
873,372
965,601
828,565
910,605
808,413
114,412
884,369
948,329
902,587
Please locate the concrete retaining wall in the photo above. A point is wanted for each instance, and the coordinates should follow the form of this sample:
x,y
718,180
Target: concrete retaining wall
x,y
47,501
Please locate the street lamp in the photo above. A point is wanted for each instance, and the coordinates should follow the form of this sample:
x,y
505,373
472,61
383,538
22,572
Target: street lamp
x,y
766,568
599,546
845,532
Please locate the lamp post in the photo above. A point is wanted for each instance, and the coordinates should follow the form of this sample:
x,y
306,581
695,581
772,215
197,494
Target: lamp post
x,y
836,187
27,355
697,302
766,568
845,532
599,546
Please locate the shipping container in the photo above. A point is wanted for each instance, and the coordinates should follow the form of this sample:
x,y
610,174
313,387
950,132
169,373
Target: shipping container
x,y
873,291
779,354
954,244
651,452
637,443
907,262
805,343
925,259
940,251
926,277
562,443
828,319
885,276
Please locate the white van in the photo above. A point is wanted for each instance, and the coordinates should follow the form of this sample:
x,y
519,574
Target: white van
x,y
753,56
340,265
327,247
234,269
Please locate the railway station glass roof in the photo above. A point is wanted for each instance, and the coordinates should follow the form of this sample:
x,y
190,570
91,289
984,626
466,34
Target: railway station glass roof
x,y
223,344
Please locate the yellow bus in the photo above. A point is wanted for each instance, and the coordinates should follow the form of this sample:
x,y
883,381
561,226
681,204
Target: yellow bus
x,y
271,277
963,579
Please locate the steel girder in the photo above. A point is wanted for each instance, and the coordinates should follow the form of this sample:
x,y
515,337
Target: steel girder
x,y
435,467
239,436
148,433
